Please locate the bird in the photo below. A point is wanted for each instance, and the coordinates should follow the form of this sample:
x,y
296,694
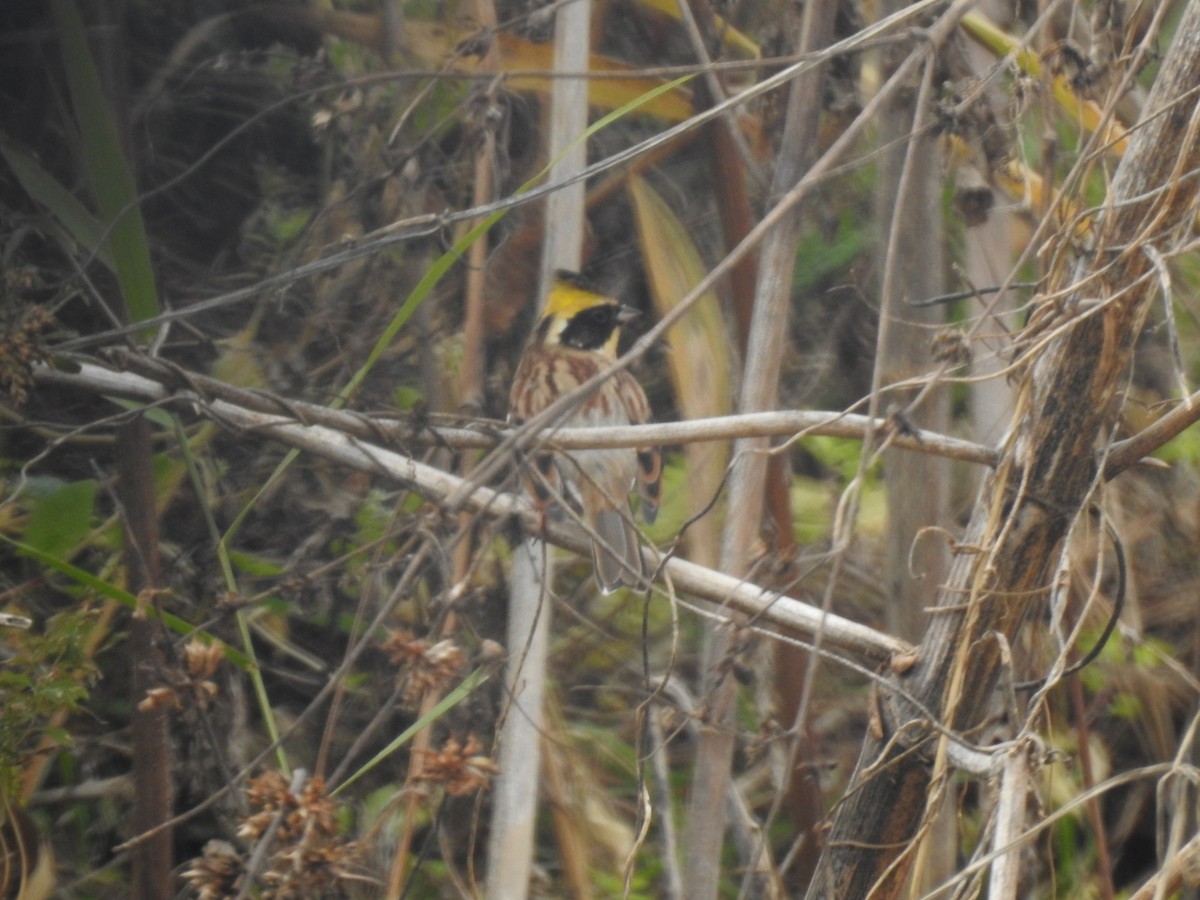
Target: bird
x,y
576,338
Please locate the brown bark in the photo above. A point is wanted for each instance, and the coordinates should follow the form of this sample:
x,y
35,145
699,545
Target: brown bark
x,y
908,199
154,796
1005,560
154,793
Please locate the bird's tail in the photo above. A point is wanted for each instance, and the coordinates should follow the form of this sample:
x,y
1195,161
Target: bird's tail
x,y
622,565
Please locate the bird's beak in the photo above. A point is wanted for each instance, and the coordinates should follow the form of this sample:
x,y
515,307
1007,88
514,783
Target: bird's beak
x,y
628,314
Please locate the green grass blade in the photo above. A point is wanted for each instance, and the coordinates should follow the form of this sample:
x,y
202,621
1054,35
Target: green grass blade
x,y
243,624
109,176
82,227
452,699
119,595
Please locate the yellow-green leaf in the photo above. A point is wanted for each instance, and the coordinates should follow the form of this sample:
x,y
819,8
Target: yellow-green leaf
x,y
700,364
518,55
61,519
1086,112
733,39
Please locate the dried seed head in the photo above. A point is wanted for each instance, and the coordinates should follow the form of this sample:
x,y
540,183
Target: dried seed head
x,y
217,873
423,667
202,659
459,768
159,698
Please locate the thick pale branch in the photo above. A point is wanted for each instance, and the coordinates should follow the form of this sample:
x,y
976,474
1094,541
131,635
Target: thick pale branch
x,y
1010,821
155,381
766,607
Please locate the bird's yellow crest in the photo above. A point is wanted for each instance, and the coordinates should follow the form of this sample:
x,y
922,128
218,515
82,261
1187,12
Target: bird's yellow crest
x,y
569,296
